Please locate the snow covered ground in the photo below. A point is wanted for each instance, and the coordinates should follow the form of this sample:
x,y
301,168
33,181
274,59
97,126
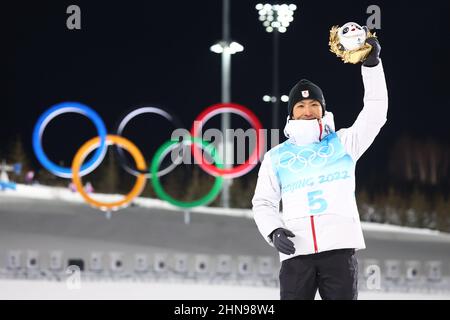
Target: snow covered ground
x,y
45,218
23,289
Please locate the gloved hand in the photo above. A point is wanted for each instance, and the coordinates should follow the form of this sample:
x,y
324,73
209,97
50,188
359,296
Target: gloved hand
x,y
281,242
373,58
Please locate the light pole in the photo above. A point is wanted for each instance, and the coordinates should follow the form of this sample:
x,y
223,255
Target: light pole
x,y
276,19
226,48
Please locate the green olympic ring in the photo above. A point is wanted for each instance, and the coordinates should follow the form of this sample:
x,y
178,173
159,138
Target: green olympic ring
x,y
163,150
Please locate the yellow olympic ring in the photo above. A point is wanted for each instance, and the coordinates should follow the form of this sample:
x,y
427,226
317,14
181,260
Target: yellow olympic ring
x,y
90,146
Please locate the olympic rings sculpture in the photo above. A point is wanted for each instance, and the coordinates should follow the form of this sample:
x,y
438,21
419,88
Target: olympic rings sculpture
x,y
140,169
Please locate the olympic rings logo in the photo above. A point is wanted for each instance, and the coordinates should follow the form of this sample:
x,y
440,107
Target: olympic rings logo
x,y
297,162
140,168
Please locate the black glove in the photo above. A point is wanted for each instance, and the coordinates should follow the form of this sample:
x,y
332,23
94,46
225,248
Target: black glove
x,y
281,241
373,58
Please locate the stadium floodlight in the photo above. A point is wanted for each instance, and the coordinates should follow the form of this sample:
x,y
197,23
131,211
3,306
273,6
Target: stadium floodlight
x,y
268,98
280,16
217,48
235,47
227,47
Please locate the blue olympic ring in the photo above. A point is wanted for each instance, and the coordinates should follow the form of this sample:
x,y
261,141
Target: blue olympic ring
x,y
56,110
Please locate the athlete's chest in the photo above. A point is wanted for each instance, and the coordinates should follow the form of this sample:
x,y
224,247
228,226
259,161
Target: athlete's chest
x,y
310,162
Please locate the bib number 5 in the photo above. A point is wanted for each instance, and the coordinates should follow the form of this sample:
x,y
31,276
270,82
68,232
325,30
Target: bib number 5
x,y
316,203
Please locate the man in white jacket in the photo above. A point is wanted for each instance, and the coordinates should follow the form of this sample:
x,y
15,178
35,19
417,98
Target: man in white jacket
x,y
313,173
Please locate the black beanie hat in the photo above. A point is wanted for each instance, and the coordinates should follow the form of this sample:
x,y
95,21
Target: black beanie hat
x,y
305,89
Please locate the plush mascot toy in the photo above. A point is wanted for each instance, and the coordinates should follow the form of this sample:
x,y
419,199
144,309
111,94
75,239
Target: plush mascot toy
x,y
349,42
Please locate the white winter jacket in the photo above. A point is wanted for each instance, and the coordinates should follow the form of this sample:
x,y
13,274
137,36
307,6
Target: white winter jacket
x,y
316,181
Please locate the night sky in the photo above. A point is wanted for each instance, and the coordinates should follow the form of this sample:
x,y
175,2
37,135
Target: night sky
x,y
131,53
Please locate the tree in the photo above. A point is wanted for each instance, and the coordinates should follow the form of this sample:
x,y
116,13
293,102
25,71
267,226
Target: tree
x,y
44,177
418,160
401,162
378,211
442,210
198,185
17,154
363,202
418,209
174,183
109,180
242,191
395,207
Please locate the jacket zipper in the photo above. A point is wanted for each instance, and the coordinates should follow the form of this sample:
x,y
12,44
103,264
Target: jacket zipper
x,y
314,234
312,217
321,129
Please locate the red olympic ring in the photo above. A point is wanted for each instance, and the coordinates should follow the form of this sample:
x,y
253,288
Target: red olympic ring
x,y
254,157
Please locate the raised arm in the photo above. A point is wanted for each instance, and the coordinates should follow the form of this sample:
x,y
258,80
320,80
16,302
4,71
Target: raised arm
x,y
373,116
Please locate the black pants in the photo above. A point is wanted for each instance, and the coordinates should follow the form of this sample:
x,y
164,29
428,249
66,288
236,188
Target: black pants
x,y
334,273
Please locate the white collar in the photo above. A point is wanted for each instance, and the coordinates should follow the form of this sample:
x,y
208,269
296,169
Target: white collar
x,y
302,132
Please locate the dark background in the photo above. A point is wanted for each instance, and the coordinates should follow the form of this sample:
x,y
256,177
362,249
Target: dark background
x,y
157,52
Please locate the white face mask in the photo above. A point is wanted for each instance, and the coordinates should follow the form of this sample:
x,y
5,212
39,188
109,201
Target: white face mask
x,y
309,131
